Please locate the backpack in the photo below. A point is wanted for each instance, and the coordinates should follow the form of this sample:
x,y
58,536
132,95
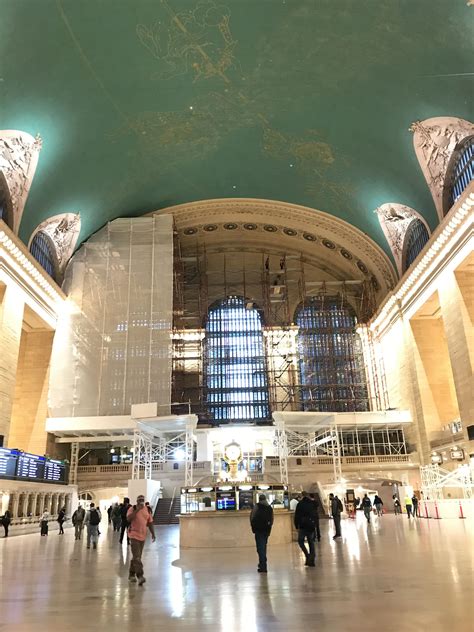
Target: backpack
x,y
262,520
94,519
339,505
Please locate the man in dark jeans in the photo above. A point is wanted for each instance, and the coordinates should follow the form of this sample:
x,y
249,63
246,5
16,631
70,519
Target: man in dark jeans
x,y
261,521
335,507
317,504
124,507
305,522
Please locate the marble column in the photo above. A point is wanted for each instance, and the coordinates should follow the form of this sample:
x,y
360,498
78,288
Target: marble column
x,y
11,321
24,505
42,501
15,504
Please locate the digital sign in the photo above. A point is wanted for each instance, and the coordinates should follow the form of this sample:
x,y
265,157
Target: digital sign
x,y
8,460
22,466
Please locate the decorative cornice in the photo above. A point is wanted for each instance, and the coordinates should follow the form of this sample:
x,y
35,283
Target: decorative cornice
x,y
17,266
19,153
293,217
450,237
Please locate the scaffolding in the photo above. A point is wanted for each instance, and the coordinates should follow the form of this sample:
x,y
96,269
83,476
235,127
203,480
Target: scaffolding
x,y
435,479
275,284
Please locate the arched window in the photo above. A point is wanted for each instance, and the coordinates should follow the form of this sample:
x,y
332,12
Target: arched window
x,y
331,364
43,252
415,239
236,383
460,172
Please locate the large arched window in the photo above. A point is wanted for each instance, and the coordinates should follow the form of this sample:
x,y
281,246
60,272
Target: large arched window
x,y
416,238
331,364
236,383
460,172
43,251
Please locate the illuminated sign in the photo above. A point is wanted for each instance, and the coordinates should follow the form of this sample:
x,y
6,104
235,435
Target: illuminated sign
x,y
22,466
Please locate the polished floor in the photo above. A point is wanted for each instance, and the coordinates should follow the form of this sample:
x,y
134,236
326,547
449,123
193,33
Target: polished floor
x,y
391,575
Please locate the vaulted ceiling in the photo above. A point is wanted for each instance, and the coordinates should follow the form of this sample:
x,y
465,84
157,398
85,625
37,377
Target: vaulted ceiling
x,y
143,104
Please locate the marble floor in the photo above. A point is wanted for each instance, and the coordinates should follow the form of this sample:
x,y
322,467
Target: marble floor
x,y
391,575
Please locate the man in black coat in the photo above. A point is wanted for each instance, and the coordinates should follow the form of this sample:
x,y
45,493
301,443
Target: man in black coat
x,y
305,522
317,505
261,521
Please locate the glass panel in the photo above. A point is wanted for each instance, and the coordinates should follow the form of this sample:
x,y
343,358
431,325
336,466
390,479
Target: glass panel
x,y
42,252
417,236
235,366
331,365
463,170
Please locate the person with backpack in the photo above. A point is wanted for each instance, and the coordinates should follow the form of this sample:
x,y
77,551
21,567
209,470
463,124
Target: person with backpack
x,y
367,507
140,520
78,518
397,508
378,504
261,522
6,519
61,520
117,517
305,523
124,507
317,505
336,508
92,521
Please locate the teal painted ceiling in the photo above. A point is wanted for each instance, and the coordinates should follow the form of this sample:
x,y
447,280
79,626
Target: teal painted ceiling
x,y
145,104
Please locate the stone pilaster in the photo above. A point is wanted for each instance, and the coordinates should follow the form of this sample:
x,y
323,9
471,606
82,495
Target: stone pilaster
x,y
11,321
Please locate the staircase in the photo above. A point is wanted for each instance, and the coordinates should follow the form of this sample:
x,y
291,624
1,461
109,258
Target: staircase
x,y
167,511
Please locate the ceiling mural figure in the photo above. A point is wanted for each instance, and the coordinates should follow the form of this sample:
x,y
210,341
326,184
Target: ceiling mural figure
x,y
395,219
19,153
434,140
64,232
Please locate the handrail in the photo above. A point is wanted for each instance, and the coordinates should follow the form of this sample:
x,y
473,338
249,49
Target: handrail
x,y
172,501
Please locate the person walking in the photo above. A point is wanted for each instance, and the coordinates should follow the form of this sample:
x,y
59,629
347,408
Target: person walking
x,y
109,514
6,520
117,517
367,507
44,524
92,521
61,520
261,521
139,519
317,505
414,500
305,523
408,506
335,508
124,508
378,504
78,518
397,508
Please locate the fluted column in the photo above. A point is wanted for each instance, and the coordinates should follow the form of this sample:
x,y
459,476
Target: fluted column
x,y
42,501
15,504
24,504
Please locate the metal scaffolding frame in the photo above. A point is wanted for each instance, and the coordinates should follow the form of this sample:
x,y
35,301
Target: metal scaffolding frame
x,y
434,479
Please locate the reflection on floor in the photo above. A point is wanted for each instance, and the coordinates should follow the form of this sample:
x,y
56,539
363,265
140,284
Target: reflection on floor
x,y
391,575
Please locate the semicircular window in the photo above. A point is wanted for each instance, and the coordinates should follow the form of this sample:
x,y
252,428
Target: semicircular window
x,y
460,172
43,252
235,372
416,238
331,364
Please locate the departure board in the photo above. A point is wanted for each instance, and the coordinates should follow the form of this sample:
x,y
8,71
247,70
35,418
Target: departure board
x,y
22,466
30,467
54,471
8,460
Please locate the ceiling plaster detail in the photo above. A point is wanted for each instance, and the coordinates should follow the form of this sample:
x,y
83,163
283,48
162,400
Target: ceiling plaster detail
x,y
394,220
19,153
255,214
434,140
64,232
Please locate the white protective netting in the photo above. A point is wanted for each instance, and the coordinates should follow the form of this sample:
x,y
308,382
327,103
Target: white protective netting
x,y
112,346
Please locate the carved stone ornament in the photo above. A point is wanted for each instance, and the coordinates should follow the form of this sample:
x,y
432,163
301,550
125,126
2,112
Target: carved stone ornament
x,y
64,231
394,220
303,220
434,140
19,153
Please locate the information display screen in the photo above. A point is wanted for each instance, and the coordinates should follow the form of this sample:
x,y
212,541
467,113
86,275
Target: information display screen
x,y
225,502
22,466
8,460
30,467
54,472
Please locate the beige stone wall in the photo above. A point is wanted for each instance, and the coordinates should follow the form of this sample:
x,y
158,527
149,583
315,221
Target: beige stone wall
x,y
27,429
11,320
